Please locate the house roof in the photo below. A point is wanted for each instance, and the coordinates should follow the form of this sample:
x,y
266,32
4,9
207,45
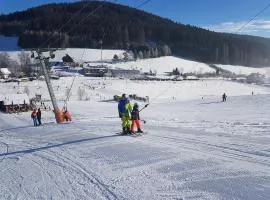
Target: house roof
x,y
15,98
5,71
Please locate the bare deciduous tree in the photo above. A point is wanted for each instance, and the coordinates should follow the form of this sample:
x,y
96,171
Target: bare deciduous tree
x,y
4,60
81,93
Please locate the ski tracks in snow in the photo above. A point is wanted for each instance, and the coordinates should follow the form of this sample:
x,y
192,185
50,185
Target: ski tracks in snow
x,y
167,163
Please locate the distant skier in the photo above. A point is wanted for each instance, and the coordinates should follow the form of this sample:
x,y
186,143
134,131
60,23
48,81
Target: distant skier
x,y
135,117
34,117
124,109
39,116
224,97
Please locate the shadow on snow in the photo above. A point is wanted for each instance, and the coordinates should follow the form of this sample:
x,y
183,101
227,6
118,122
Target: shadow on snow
x,y
55,145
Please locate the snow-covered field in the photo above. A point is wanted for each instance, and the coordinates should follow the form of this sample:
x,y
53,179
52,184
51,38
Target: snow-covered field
x,y
196,147
160,65
166,64
77,54
242,70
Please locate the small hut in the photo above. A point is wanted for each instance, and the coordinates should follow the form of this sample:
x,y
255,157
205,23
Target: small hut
x,y
11,103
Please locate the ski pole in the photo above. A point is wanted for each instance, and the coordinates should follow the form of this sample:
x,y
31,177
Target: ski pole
x,y
146,105
144,121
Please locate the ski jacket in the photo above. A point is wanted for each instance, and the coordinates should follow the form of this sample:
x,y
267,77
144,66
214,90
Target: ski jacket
x,y
124,107
68,116
38,114
33,114
135,114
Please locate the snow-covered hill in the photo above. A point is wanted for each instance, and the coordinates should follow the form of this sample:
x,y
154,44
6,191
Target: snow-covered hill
x,y
79,55
242,70
167,64
159,65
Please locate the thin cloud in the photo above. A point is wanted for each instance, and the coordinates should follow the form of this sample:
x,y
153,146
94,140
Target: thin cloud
x,y
256,27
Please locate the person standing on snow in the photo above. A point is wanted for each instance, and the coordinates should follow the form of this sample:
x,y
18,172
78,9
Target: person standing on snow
x,y
135,117
34,117
224,97
124,109
67,116
39,116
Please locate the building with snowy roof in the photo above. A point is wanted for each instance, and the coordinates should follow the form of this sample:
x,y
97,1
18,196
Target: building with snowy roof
x,y
14,102
4,73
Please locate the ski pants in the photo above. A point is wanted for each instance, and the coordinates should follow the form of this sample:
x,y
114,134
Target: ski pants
x,y
137,123
39,121
125,121
35,121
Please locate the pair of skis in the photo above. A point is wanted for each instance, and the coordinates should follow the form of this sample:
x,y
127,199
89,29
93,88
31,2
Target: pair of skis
x,y
136,134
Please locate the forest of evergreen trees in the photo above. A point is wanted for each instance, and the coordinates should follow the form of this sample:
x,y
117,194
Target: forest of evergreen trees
x,y
122,27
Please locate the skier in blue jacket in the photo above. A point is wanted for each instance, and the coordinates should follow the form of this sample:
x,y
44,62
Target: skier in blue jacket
x,y
124,109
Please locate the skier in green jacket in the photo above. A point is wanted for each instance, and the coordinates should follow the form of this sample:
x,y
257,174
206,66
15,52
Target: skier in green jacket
x,y
124,109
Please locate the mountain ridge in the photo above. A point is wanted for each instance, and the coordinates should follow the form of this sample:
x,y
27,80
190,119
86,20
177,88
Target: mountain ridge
x,y
124,27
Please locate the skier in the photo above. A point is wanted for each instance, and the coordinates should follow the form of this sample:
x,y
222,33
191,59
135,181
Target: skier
x,y
39,116
34,117
124,109
135,117
224,97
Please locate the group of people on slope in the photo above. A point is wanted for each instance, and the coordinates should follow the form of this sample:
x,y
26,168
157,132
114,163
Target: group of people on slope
x,y
36,117
127,113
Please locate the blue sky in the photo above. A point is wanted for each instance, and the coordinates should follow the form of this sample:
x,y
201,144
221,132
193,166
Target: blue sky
x,y
218,15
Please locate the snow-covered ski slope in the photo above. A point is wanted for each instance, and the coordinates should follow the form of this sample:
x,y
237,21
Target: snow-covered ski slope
x,y
195,148
166,64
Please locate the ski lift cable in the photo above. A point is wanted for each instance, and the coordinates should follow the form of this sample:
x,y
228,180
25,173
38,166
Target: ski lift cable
x,y
253,18
77,13
136,7
240,29
62,26
83,53
140,5
81,21
143,3
91,13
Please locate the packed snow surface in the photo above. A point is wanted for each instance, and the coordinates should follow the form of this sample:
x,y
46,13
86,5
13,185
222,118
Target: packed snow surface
x,y
195,146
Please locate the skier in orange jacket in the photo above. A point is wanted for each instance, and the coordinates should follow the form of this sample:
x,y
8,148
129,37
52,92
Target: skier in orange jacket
x,y
135,117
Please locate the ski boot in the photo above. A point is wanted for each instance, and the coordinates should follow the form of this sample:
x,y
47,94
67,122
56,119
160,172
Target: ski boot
x,y
139,131
124,131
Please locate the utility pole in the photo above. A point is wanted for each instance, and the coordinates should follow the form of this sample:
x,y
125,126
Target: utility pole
x,y
58,113
101,42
